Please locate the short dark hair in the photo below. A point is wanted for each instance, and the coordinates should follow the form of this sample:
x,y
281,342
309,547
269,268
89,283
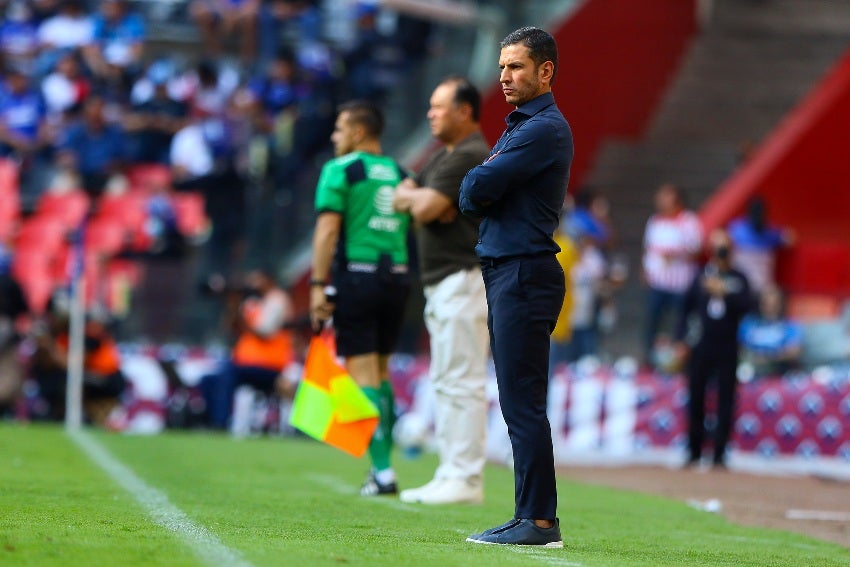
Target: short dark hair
x,y
465,93
541,46
366,113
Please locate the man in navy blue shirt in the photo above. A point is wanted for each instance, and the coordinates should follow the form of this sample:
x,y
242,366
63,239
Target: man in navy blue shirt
x,y
519,192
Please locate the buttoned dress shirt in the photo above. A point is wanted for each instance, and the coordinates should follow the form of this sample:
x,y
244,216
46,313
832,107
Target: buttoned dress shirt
x,y
519,190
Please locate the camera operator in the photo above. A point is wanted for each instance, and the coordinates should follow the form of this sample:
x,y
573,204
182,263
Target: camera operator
x,y
262,351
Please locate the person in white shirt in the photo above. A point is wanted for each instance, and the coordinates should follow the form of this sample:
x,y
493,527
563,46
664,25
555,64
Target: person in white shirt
x,y
64,89
671,243
587,275
70,28
191,153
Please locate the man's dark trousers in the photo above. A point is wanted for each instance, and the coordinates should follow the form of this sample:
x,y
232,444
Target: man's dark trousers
x,y
719,362
524,297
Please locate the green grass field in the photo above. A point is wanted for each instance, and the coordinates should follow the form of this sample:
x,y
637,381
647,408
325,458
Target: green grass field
x,y
294,502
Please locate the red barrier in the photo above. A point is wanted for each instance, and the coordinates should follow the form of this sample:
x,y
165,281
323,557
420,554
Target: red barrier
x,y
802,172
616,60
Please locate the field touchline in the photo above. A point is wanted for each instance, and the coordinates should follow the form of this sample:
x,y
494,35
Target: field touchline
x,y
203,542
547,557
333,483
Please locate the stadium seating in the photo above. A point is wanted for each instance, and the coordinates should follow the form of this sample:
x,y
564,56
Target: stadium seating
x,y
67,207
145,176
129,209
41,236
33,272
10,210
8,176
10,199
105,236
191,219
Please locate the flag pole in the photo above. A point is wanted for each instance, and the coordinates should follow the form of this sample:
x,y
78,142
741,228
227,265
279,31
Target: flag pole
x,y
76,346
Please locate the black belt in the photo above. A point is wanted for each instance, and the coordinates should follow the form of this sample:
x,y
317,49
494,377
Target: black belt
x,y
493,262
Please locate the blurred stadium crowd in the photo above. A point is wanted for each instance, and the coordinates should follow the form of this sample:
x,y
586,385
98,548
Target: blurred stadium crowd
x,y
170,148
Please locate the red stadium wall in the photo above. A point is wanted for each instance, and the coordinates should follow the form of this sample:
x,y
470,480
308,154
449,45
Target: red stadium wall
x,y
802,171
616,58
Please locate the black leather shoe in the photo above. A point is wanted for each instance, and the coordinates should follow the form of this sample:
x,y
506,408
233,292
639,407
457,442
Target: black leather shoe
x,y
520,532
507,524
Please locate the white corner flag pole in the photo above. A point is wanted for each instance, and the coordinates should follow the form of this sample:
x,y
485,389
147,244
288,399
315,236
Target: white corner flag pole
x,y
76,346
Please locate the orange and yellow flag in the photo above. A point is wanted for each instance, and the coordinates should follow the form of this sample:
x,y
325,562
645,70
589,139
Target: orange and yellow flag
x,y
330,406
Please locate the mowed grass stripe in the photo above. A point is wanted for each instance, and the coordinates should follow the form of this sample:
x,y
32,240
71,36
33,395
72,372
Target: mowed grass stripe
x,y
202,542
58,508
294,502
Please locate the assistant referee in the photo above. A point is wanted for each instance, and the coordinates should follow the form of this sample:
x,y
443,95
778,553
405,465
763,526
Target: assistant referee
x,y
360,245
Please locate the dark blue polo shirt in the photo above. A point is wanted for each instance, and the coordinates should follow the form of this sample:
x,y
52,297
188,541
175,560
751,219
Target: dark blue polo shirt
x,y
519,191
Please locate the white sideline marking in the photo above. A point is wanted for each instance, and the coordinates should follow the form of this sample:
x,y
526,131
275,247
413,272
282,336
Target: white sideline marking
x,y
549,557
203,542
825,515
333,483
330,482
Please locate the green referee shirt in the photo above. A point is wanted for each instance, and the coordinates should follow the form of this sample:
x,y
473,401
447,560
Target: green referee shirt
x,y
360,187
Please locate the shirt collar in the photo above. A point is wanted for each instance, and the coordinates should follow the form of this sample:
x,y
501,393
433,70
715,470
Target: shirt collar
x,y
531,107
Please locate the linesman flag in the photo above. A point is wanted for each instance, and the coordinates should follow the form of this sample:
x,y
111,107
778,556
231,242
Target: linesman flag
x,y
330,406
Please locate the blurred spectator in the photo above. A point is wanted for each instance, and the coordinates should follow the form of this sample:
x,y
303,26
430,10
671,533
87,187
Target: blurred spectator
x,y
586,218
12,306
211,90
278,88
23,129
587,275
559,349
69,30
771,343
193,147
66,88
671,242
92,148
708,326
288,22
202,158
166,240
25,134
119,40
152,124
591,218
220,19
103,383
19,36
262,352
376,62
756,244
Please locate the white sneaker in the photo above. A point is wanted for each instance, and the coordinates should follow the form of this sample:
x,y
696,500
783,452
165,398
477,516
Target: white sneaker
x,y
451,491
413,494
